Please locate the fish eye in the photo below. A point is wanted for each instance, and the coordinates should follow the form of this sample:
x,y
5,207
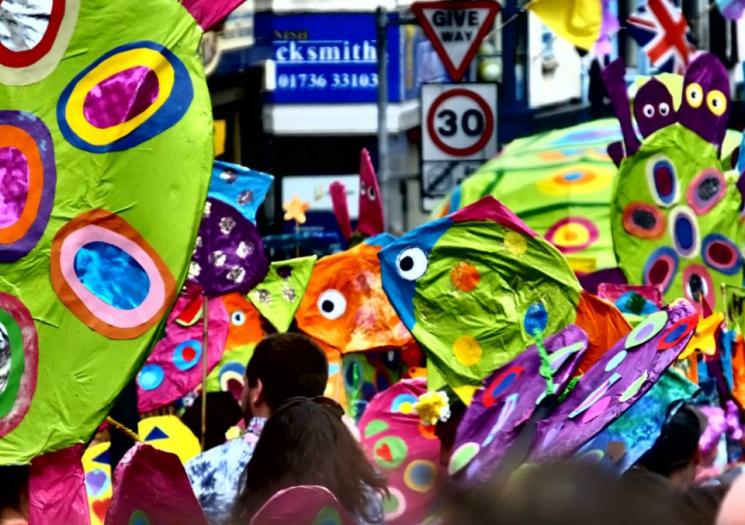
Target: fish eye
x,y
332,304
238,317
717,102
664,109
648,110
371,193
694,95
411,263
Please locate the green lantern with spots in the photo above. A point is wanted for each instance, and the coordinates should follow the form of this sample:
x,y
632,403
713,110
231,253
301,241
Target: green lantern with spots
x,y
105,156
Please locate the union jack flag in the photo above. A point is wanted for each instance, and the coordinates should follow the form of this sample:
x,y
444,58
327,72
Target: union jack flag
x,y
660,28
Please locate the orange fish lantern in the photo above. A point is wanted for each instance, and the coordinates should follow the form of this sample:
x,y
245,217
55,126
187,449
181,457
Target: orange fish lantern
x,y
346,311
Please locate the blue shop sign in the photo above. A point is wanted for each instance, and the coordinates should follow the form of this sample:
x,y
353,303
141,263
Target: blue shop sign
x,y
332,57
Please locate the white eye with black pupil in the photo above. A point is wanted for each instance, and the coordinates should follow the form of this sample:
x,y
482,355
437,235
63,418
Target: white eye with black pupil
x,y
238,318
411,264
648,110
371,193
664,109
331,304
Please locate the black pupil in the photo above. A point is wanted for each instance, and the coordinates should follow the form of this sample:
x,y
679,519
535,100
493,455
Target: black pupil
x,y
697,286
406,263
644,219
327,306
708,188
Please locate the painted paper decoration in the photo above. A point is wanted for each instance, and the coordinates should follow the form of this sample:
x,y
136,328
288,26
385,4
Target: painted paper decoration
x,y
614,383
242,188
302,504
245,330
571,171
107,274
506,401
370,209
102,199
464,283
406,451
344,306
29,180
229,254
19,362
209,13
370,221
151,487
169,434
621,444
97,468
56,487
174,367
35,38
278,296
676,205
576,21
366,374
153,80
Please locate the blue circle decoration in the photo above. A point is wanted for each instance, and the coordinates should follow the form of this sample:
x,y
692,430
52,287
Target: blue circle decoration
x,y
663,181
721,254
402,399
172,110
150,377
661,268
187,354
536,319
112,275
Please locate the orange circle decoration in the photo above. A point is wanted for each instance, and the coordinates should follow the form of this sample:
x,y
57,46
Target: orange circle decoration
x,y
644,221
27,182
572,234
119,305
575,181
465,276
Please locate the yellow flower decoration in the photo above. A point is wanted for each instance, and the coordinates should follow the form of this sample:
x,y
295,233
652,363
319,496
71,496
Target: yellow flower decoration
x,y
433,407
295,210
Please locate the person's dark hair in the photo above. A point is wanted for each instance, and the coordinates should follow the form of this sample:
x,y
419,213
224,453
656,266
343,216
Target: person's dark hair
x,y
677,445
305,442
288,365
13,486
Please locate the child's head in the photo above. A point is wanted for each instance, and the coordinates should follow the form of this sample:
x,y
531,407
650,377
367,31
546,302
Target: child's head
x,y
305,442
283,366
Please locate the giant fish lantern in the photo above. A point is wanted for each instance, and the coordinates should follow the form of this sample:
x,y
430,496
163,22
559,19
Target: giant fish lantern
x,y
346,311
105,158
464,285
676,209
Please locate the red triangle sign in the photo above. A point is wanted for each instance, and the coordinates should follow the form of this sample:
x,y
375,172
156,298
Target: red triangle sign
x,y
456,29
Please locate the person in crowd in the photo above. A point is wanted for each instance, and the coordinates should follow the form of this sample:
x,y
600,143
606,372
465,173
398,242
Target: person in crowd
x,y
556,494
668,470
282,366
14,495
306,443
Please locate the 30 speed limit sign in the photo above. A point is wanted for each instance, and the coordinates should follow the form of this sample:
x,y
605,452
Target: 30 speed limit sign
x,y
459,122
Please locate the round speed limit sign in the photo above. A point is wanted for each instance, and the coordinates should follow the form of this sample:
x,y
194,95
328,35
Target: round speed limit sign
x,y
460,122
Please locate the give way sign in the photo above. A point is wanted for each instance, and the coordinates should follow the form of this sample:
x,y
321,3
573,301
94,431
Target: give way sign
x,y
456,29
459,122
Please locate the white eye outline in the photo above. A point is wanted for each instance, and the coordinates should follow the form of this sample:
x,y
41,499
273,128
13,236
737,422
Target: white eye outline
x,y
419,263
371,193
337,300
663,109
238,318
648,110
704,286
